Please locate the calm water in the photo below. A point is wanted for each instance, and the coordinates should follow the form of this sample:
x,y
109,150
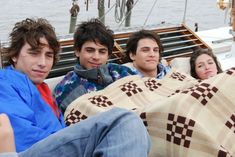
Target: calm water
x,y
204,12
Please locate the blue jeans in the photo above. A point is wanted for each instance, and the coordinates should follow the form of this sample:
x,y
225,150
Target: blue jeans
x,y
115,133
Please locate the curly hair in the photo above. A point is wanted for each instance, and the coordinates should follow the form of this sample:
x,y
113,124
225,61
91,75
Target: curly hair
x,y
30,31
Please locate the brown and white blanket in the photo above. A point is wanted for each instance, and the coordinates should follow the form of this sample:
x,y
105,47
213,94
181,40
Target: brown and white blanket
x,y
184,117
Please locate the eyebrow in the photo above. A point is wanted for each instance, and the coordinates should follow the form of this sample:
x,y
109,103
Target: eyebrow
x,y
95,48
50,52
206,61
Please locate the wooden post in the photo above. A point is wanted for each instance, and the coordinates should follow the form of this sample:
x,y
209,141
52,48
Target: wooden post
x,y
73,19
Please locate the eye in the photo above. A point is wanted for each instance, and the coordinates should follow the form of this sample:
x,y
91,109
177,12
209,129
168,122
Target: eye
x,y
145,49
34,52
50,55
156,50
90,50
103,51
199,66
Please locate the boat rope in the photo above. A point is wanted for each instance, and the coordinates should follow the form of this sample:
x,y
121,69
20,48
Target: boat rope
x,y
129,4
128,13
150,12
185,11
74,9
119,10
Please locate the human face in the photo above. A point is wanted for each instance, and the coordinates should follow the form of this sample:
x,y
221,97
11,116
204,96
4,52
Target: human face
x,y
146,58
205,66
92,55
35,63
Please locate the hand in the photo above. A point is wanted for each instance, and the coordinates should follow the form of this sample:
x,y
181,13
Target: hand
x,y
7,143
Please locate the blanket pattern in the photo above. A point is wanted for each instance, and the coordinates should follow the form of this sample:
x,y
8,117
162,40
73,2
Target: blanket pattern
x,y
185,117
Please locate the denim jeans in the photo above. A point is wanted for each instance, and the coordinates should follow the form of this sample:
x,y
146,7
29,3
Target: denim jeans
x,y
115,133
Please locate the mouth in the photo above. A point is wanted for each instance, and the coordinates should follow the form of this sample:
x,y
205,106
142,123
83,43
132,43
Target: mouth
x,y
152,61
209,73
40,72
94,65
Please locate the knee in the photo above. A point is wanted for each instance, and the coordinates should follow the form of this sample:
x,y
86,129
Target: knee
x,y
131,122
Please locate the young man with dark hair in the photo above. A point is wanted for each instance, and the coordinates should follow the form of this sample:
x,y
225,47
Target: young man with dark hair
x,y
40,132
93,43
143,51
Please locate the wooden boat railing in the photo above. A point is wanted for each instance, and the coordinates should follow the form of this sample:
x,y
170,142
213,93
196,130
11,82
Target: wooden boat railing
x,y
177,41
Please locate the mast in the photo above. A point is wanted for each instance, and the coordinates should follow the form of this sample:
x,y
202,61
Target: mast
x,y
129,6
101,10
233,19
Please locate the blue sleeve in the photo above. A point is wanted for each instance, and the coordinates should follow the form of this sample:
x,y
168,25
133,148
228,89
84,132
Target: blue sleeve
x,y
119,71
31,118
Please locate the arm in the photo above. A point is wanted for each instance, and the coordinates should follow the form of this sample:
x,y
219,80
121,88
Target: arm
x,y
31,118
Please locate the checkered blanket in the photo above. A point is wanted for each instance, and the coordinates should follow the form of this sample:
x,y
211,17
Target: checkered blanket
x,y
184,117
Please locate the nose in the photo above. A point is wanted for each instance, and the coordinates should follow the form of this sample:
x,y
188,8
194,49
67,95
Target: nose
x,y
95,55
207,66
42,61
152,53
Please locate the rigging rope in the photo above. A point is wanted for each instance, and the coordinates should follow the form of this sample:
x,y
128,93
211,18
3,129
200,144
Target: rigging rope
x,y
150,12
185,10
75,9
119,13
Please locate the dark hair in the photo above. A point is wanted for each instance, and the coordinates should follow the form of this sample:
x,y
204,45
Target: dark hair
x,y
30,31
194,57
133,40
93,30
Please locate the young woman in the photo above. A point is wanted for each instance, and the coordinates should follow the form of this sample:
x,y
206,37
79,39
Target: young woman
x,y
204,64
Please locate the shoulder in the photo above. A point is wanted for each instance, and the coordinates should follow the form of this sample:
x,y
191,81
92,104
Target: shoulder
x,y
7,73
163,67
118,71
67,78
15,79
121,68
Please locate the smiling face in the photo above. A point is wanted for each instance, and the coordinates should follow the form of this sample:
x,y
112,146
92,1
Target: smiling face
x,y
146,57
35,63
205,66
92,55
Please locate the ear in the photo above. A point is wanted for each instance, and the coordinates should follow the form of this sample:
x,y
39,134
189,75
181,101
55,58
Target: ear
x,y
14,59
77,53
132,56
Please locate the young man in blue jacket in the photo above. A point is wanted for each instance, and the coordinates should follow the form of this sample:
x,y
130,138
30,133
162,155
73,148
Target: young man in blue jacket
x,y
38,126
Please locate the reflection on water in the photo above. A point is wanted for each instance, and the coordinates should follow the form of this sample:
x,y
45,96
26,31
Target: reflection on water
x,y
204,12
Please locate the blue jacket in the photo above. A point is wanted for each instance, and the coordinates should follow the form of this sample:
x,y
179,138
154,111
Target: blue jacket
x,y
31,118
